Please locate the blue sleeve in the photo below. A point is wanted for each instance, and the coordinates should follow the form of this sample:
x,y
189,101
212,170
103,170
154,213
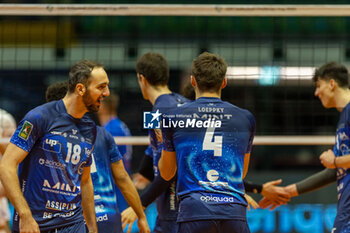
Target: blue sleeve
x,y
29,130
149,151
113,150
252,133
168,144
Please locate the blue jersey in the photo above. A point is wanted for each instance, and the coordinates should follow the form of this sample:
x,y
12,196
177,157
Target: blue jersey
x,y
167,206
210,138
104,154
59,147
119,129
341,148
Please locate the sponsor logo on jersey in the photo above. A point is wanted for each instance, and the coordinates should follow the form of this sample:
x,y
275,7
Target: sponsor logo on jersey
x,y
48,215
61,188
214,184
81,168
102,218
217,199
26,130
151,120
51,145
52,164
59,206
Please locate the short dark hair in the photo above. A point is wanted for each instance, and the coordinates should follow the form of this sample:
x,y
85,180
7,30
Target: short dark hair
x,y
56,91
154,67
80,73
111,102
332,70
209,70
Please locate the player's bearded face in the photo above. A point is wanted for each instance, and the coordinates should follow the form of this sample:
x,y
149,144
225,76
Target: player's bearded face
x,y
91,104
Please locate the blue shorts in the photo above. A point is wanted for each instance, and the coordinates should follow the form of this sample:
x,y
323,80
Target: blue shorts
x,y
166,226
78,227
214,226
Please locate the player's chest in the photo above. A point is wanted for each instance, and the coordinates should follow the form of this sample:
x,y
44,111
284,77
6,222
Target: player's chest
x,y
68,144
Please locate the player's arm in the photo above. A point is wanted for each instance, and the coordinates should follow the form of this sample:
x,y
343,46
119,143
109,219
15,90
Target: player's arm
x,y
88,202
246,164
309,184
127,188
12,157
329,160
167,165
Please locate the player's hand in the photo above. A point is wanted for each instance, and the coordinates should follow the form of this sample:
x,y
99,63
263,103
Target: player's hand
x,y
143,225
128,218
268,203
140,181
251,202
292,190
327,159
27,224
276,194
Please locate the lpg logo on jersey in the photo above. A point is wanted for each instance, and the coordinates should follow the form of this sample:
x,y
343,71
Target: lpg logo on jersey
x,y
151,120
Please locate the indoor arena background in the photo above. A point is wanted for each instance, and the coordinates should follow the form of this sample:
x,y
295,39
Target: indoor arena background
x,y
271,59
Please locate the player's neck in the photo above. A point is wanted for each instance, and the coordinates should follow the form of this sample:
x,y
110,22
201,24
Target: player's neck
x,y
154,92
74,107
342,98
208,94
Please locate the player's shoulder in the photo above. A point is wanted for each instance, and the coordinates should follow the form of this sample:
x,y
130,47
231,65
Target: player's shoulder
x,y
47,111
170,101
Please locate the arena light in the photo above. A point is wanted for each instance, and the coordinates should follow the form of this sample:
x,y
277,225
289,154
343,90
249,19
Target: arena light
x,y
273,73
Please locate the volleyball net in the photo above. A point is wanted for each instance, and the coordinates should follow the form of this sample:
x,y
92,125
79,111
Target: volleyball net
x,y
271,51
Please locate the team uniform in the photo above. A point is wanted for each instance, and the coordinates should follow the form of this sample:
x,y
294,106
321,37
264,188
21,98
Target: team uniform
x,y
210,138
119,129
167,205
341,148
104,154
59,147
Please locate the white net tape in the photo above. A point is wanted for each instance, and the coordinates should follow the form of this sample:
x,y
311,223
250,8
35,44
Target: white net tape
x,y
258,140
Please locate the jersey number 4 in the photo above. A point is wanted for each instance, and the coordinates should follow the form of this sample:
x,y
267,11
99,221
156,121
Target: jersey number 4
x,y
210,144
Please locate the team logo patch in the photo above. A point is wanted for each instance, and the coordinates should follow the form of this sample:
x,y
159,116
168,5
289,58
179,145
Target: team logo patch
x,y
26,130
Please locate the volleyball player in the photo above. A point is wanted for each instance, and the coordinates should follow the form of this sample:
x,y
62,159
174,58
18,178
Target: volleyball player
x,y
52,146
209,148
108,118
332,88
106,163
153,75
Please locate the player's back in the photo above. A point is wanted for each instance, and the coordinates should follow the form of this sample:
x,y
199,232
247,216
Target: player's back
x,y
211,138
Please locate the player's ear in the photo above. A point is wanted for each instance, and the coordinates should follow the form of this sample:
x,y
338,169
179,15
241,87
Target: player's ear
x,y
332,83
193,81
224,83
80,89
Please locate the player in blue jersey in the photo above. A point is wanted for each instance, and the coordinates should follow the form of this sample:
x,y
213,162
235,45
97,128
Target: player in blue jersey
x,y
106,165
108,118
153,75
208,143
51,149
332,88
